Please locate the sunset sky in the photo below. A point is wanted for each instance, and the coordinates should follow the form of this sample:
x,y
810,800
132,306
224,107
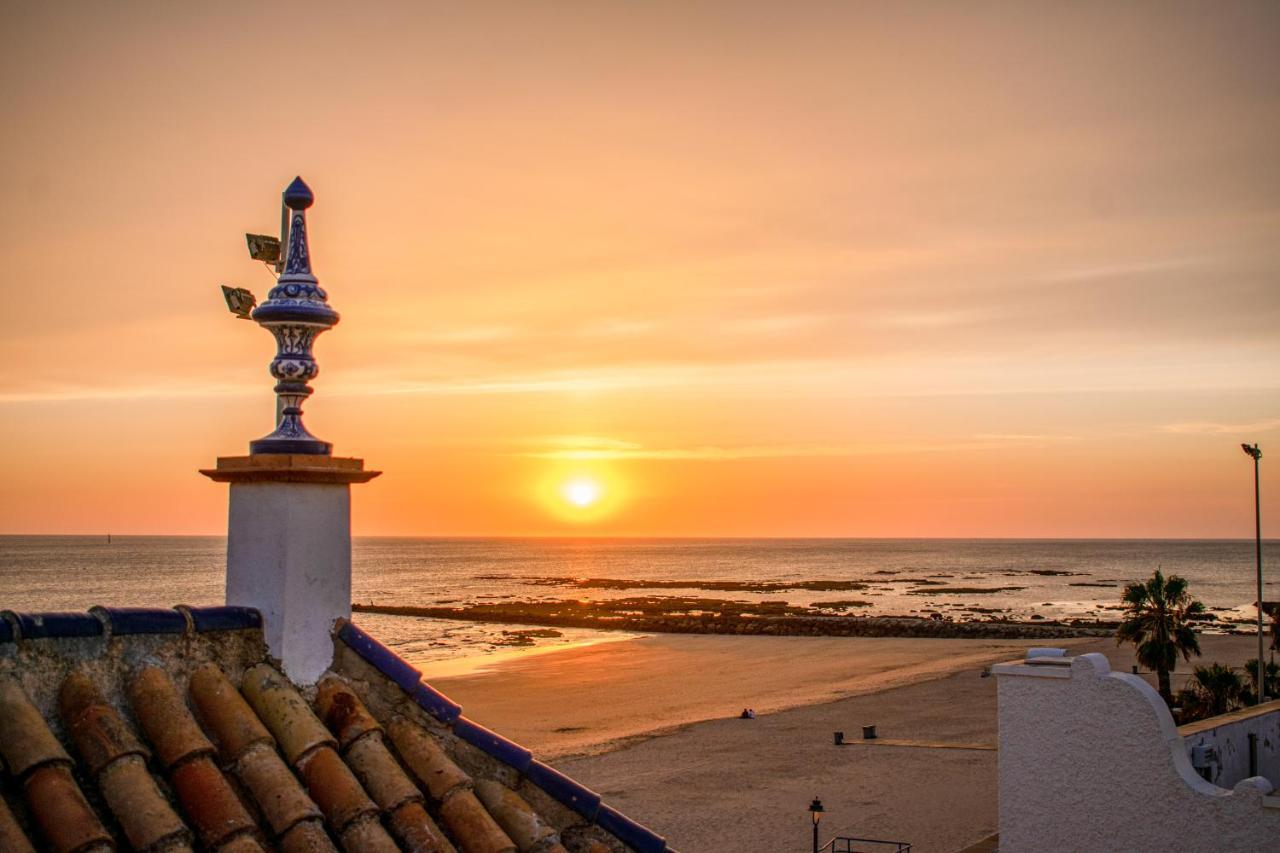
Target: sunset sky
x,y
745,269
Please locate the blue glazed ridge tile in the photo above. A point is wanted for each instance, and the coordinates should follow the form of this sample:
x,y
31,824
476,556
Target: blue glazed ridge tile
x,y
637,836
379,656
435,703
142,620
36,626
222,617
493,744
570,792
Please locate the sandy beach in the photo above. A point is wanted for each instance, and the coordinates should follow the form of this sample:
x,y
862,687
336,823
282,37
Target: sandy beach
x,y
651,723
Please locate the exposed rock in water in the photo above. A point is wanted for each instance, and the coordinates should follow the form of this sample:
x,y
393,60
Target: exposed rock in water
x,y
716,616
965,590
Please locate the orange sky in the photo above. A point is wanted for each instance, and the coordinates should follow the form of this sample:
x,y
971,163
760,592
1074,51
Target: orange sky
x,y
762,269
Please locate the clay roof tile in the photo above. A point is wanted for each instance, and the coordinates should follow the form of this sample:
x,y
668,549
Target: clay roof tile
x,y
380,773
284,712
332,785
144,814
416,831
343,712
306,837
25,740
368,836
275,789
516,817
364,782
99,732
60,811
164,717
209,802
474,827
426,759
241,844
224,712
12,838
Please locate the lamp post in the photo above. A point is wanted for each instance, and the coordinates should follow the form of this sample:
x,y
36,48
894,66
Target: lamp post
x,y
815,809
1254,453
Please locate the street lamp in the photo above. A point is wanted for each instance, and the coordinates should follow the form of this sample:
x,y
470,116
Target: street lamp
x,y
1254,453
815,809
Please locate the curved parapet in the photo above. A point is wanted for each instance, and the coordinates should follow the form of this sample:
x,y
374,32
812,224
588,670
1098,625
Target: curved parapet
x,y
1090,759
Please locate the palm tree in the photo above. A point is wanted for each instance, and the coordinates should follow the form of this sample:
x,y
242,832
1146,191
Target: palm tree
x,y
1157,620
1219,688
1272,676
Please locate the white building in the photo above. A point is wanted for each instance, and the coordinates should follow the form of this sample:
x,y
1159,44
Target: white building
x,y
1090,759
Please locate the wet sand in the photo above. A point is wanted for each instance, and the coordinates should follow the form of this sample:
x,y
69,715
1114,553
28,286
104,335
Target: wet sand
x,y
594,698
650,724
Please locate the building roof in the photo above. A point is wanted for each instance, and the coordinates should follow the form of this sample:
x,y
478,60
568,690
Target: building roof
x,y
171,729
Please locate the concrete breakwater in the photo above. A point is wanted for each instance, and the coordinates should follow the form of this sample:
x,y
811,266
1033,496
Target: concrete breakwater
x,y
600,615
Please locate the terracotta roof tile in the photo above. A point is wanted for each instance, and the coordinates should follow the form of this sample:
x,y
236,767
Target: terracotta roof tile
x,y
368,836
466,819
225,714
206,796
306,837
343,712
12,838
474,827
310,747
284,712
209,802
61,812
164,717
365,751
242,844
332,785
416,831
101,736
377,769
144,814
426,759
25,740
378,740
114,756
275,789
516,817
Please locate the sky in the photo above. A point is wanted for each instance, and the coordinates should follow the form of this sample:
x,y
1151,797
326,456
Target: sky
x,y
742,269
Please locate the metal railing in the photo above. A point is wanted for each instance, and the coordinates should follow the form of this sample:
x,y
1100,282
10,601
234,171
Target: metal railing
x,y
840,844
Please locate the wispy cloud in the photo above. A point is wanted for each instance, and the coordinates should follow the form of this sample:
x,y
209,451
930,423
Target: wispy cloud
x,y
1021,437
1118,270
1212,428
712,453
126,393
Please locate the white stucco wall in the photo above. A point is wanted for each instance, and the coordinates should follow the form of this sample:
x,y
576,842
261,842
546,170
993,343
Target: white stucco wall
x,y
1090,760
1229,737
289,555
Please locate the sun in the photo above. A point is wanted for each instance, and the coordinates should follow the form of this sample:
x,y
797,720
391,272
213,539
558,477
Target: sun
x,y
582,492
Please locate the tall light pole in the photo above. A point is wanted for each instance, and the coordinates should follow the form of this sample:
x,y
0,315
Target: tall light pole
x,y
1256,454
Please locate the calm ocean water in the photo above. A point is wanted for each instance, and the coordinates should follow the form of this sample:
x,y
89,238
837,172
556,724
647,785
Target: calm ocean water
x,y
1039,576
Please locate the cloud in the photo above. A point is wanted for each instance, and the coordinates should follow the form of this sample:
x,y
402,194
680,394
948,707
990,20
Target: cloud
x,y
1212,428
1104,271
715,453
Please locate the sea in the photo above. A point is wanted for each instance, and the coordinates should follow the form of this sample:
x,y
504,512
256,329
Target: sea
x,y
958,578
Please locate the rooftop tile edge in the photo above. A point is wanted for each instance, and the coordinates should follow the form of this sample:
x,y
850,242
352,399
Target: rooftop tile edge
x,y
103,622
564,789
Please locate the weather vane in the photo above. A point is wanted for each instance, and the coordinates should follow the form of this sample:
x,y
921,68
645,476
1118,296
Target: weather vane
x,y
295,312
